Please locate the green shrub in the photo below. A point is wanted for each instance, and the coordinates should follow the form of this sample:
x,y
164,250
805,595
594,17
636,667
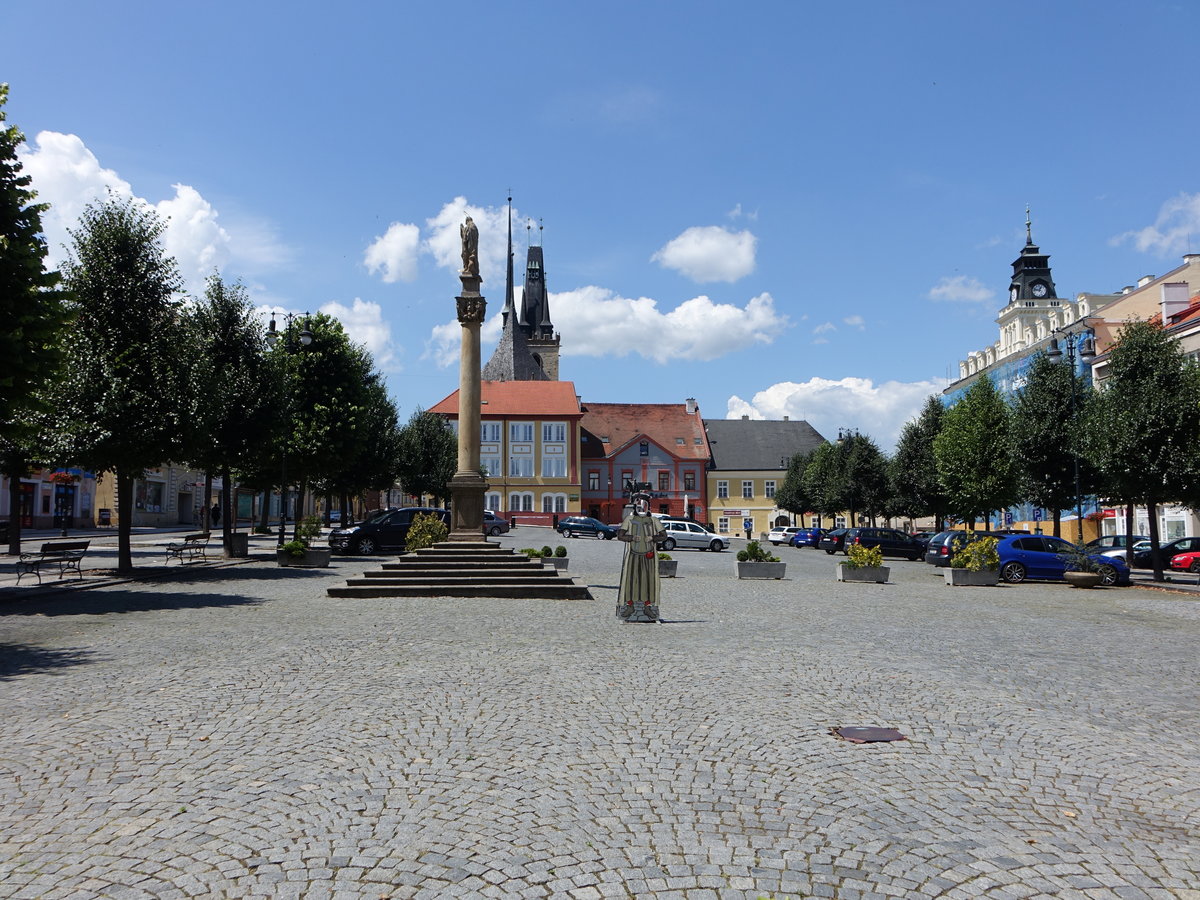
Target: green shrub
x,y
309,530
531,552
755,553
665,556
743,556
426,530
295,549
978,556
261,529
1077,559
860,557
548,552
560,551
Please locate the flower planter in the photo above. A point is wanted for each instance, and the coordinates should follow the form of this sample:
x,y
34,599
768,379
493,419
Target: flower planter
x,y
869,574
667,568
1082,579
313,558
967,578
559,562
767,570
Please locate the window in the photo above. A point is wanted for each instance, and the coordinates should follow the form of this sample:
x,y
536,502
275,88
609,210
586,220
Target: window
x,y
723,525
626,477
747,490
489,432
664,481
593,481
722,490
839,521
689,481
769,490
520,502
149,496
554,503
664,509
491,465
492,502
554,467
644,448
554,432
520,466
520,431
815,522
679,441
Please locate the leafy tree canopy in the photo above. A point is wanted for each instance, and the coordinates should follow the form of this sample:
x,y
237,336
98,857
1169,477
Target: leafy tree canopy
x,y
974,453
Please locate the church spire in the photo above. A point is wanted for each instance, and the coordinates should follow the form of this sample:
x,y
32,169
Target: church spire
x,y
509,306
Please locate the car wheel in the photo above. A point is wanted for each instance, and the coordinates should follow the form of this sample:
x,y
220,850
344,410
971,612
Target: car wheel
x,y
716,546
831,552
569,533
599,535
495,532
366,546
1012,572
1194,568
668,544
609,535
1108,575
915,557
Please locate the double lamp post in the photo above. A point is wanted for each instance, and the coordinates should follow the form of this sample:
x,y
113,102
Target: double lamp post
x,y
293,342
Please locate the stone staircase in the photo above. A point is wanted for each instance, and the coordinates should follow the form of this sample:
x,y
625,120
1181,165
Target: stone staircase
x,y
465,569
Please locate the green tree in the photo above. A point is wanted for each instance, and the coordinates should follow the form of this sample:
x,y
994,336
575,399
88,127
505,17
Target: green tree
x,y
375,460
792,495
822,481
428,455
121,405
33,314
1048,425
916,489
1145,431
862,476
974,453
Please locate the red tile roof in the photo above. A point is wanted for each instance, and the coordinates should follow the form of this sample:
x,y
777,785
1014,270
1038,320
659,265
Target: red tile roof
x,y
536,399
610,426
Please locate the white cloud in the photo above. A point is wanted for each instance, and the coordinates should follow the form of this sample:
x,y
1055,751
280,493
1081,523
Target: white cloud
x,y
855,322
395,253
445,340
737,212
68,176
709,253
365,325
961,289
594,321
1177,224
824,328
444,241
879,411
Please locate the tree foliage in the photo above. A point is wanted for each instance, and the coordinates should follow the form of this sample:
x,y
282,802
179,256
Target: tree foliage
x,y
428,455
121,405
792,495
862,476
1145,430
974,454
912,471
822,481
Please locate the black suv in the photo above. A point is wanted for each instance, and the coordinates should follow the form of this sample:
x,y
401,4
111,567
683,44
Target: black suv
x,y
888,540
833,541
386,530
573,525
943,545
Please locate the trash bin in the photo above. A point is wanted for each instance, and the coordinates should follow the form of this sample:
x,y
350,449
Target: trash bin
x,y
239,545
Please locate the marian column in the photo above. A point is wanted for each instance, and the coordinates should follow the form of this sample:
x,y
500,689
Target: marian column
x,y
467,486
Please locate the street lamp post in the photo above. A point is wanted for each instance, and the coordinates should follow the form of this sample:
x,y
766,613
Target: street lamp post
x,y
1087,350
293,342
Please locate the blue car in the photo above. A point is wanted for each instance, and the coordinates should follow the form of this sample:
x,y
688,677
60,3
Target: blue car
x,y
806,537
1036,556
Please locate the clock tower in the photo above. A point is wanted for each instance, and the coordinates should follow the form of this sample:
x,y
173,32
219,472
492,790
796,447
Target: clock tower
x,y
1031,279
1033,302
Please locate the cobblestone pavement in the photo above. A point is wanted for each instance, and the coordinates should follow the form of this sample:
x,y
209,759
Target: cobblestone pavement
x,y
236,733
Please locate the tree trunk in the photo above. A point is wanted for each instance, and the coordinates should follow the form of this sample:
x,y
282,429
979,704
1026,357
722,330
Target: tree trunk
x,y
14,513
1129,534
1058,523
1155,550
206,513
298,510
226,509
124,521
264,515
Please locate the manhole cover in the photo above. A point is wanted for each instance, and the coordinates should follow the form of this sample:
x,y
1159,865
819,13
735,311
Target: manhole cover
x,y
866,734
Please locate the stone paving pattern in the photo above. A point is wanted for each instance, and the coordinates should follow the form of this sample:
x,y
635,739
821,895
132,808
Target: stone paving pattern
x,y
235,733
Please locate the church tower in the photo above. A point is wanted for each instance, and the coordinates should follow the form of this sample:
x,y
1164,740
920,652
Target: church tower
x,y
1032,299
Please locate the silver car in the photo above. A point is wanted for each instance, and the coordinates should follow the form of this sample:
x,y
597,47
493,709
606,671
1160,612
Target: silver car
x,y
689,534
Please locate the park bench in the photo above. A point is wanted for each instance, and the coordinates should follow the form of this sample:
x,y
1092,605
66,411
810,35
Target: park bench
x,y
64,554
192,546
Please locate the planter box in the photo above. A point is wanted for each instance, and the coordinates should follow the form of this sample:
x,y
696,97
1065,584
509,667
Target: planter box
x,y
868,574
761,570
239,546
1082,579
559,562
667,568
967,578
313,558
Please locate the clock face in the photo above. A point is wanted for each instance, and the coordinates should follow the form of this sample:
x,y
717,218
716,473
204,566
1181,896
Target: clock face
x,y
1012,293
1039,290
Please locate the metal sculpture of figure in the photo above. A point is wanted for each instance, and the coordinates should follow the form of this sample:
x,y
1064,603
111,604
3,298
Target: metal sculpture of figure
x,y
470,247
637,600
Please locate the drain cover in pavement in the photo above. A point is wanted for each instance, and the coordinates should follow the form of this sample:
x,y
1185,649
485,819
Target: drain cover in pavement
x,y
860,734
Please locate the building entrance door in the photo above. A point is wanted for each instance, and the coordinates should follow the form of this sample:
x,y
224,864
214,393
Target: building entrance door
x,y
28,493
64,506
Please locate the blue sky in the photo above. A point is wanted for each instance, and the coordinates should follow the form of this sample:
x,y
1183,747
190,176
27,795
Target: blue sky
x,y
778,208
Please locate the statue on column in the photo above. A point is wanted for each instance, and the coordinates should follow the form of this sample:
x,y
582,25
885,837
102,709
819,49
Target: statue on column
x,y
637,599
470,247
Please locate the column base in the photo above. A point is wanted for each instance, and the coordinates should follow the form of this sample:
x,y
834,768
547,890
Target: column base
x,y
466,507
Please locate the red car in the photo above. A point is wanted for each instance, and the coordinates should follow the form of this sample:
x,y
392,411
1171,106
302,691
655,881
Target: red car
x,y
1189,562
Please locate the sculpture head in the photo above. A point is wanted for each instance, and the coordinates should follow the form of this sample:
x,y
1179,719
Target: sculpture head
x,y
641,503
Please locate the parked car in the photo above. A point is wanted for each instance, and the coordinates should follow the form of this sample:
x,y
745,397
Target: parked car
x,y
690,534
807,537
890,541
573,525
782,535
922,538
494,524
943,545
386,530
1186,562
1037,556
1116,544
1142,560
832,541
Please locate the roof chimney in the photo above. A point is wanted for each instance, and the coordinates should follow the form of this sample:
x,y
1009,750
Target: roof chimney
x,y
1145,280
1174,300
690,406
785,418
745,418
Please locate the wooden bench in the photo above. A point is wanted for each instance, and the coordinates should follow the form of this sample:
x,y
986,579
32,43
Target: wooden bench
x,y
65,554
192,546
